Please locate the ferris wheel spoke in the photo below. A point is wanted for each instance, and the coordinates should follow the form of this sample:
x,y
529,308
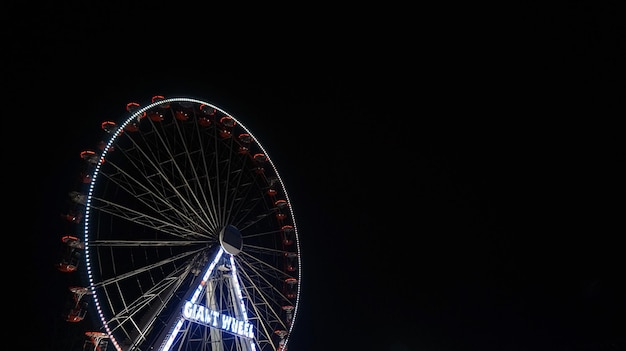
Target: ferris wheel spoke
x,y
131,215
264,252
154,299
249,209
143,301
165,186
180,168
262,271
152,203
204,183
147,243
237,189
151,197
261,288
130,274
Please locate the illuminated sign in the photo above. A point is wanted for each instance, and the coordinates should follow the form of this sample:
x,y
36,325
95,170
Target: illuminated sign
x,y
205,316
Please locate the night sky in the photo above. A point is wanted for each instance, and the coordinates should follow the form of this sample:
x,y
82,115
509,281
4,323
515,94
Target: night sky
x,y
456,185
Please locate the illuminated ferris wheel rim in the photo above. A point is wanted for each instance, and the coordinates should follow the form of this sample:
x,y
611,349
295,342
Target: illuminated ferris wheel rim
x,y
229,249
134,117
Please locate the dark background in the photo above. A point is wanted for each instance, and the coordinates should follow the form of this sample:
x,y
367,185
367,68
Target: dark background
x,y
456,172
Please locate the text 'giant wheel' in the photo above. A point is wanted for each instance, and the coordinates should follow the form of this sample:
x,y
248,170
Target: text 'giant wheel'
x,y
190,240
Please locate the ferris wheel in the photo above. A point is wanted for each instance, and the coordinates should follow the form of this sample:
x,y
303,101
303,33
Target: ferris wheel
x,y
186,234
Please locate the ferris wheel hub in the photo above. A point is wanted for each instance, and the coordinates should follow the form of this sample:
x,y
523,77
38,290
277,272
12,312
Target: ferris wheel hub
x,y
230,239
